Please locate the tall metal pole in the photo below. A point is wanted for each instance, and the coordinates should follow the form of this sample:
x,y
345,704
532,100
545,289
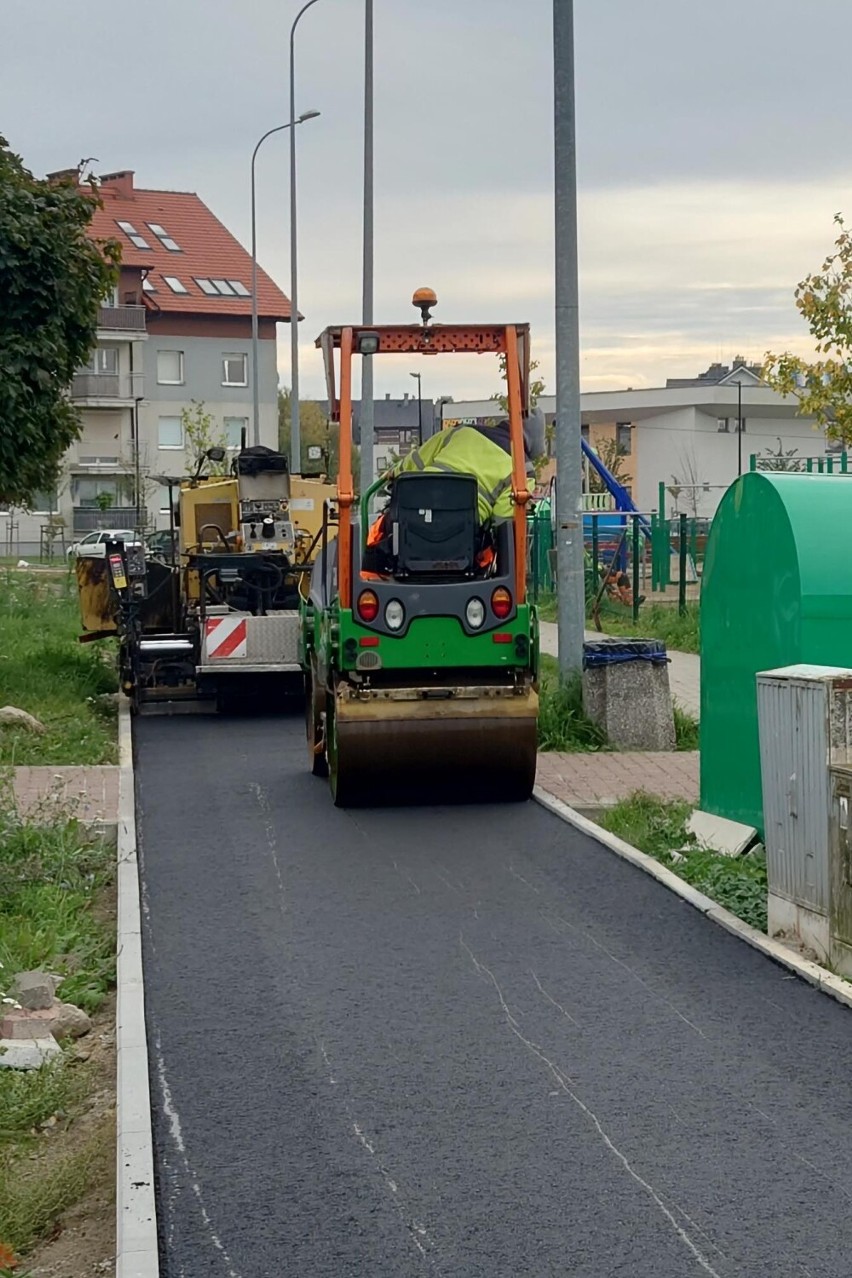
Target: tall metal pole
x,y
739,428
419,408
367,416
308,115
295,427
569,488
255,388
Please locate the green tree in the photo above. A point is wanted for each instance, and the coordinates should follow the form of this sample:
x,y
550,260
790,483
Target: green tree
x,y
201,432
316,432
536,385
613,458
52,279
823,387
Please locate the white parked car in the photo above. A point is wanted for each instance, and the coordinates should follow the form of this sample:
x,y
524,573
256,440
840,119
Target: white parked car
x,y
94,543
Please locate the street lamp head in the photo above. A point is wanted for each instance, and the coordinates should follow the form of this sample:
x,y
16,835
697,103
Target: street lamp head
x,y
308,115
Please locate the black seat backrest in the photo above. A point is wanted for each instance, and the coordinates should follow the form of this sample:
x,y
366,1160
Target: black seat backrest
x,y
434,520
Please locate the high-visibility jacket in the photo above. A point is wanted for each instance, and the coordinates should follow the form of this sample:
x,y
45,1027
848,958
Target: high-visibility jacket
x,y
463,450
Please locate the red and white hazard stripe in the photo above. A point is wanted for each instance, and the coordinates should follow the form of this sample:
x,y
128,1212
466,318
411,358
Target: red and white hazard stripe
x,y
226,637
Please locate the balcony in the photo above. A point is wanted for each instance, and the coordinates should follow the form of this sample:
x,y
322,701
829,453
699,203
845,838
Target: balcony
x,y
90,518
106,389
125,321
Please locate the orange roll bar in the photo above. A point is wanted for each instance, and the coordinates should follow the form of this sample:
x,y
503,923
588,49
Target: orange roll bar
x,y
345,488
520,492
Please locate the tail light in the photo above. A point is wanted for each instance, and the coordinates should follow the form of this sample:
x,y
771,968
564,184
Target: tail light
x,y
368,606
501,602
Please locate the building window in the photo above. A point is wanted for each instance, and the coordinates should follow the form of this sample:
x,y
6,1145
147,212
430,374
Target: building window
x,y
148,286
86,491
584,431
223,287
234,370
103,361
175,284
164,237
44,504
164,499
624,438
169,433
170,368
741,425
207,287
234,427
133,235
381,464
239,288
722,425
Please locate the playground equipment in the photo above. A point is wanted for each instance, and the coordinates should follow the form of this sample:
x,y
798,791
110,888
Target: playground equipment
x,y
777,591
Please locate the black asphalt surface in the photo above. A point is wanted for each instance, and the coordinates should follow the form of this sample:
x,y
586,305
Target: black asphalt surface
x,y
463,1042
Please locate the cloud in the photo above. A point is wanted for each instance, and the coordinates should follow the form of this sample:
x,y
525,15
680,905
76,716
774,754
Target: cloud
x,y
712,144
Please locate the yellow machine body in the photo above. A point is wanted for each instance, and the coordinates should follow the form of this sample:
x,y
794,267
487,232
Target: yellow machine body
x,y
307,496
95,595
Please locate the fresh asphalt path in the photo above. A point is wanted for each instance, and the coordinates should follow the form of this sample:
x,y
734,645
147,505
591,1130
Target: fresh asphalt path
x,y
465,1042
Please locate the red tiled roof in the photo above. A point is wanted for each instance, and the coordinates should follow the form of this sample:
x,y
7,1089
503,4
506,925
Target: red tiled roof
x,y
208,251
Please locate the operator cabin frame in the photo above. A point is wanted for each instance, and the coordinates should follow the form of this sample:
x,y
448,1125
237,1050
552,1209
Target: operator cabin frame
x,y
511,340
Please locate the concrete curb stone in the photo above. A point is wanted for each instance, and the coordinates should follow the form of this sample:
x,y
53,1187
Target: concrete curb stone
x,y
137,1253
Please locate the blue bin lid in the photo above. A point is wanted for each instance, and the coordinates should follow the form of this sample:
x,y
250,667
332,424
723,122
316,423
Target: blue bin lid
x,y
611,650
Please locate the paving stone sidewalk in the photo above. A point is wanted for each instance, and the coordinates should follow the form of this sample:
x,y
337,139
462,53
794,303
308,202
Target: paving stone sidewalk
x,y
594,781
684,669
90,794
584,781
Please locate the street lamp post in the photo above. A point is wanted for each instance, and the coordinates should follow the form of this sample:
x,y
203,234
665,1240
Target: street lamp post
x,y
569,517
739,428
367,414
419,408
295,426
307,115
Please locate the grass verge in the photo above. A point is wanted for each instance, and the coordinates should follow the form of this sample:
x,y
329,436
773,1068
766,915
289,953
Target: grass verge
x,y
45,671
659,829
686,730
562,723
656,621
56,914
53,879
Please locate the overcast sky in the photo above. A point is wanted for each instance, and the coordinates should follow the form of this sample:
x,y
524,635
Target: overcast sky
x,y
713,145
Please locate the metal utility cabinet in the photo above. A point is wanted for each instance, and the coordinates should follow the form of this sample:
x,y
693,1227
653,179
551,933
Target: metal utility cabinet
x,y
805,730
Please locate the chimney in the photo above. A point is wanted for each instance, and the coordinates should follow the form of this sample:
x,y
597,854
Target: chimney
x,y
121,183
387,394
405,398
64,175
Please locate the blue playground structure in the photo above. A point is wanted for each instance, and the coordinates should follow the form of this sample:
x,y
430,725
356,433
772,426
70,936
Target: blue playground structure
x,y
623,501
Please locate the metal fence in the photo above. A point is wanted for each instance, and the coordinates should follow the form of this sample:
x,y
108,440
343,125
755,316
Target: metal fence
x,y
623,550
827,464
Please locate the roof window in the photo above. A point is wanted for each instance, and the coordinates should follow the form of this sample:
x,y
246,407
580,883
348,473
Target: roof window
x,y
222,288
164,237
133,235
175,284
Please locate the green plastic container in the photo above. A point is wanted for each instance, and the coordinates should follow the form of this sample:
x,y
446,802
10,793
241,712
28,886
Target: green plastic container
x,y
776,591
